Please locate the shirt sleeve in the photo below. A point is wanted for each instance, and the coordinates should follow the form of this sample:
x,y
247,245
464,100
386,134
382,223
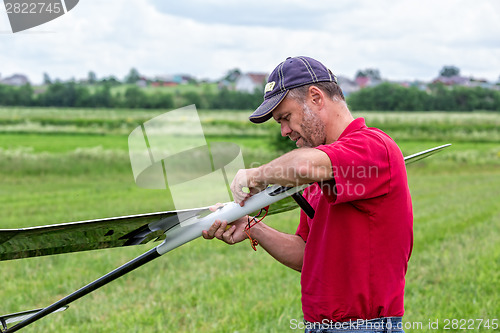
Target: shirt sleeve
x,y
360,166
303,228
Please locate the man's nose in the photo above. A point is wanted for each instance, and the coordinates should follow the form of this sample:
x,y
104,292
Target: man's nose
x,y
285,129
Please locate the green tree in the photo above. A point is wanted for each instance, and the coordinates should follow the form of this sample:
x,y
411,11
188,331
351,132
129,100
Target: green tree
x,y
191,97
60,94
102,96
111,81
23,95
232,75
135,97
389,97
160,101
6,95
133,76
92,77
449,71
46,79
372,73
442,98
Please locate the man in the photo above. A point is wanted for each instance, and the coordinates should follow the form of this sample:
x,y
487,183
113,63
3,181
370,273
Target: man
x,y
353,254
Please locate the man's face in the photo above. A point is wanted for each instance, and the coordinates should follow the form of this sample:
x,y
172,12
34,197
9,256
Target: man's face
x,y
300,123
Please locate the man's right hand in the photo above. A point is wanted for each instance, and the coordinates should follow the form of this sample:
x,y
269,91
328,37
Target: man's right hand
x,y
230,233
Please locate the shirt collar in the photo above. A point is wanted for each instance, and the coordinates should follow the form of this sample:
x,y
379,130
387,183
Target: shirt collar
x,y
356,124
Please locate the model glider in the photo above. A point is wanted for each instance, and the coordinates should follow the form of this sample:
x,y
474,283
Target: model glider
x,y
174,228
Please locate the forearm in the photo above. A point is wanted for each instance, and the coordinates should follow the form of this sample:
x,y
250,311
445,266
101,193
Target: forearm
x,y
286,248
298,167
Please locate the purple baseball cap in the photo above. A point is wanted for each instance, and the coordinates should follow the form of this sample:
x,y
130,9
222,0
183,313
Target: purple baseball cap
x,y
291,73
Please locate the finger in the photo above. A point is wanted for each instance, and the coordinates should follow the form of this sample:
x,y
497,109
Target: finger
x,y
240,197
213,228
215,207
237,186
210,233
228,235
205,235
254,190
242,202
220,231
235,192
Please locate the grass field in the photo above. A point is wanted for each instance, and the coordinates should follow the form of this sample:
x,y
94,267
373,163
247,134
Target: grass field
x,y
69,165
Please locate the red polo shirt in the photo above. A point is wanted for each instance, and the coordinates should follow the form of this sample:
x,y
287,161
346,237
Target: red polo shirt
x,y
359,242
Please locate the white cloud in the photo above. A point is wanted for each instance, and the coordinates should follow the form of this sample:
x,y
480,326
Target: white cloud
x,y
404,39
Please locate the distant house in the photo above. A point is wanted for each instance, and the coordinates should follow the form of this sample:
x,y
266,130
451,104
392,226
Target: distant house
x,y
420,85
455,80
347,85
15,80
366,81
142,83
172,80
224,84
163,84
362,81
482,83
166,80
250,81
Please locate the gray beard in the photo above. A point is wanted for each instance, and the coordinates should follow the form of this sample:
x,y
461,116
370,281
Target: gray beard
x,y
313,129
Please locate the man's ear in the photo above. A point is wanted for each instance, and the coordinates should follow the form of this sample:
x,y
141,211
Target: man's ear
x,y
316,96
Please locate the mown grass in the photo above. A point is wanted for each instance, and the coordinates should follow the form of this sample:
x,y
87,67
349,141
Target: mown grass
x,y
51,174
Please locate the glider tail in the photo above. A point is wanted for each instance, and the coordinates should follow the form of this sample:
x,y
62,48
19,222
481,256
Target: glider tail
x,y
29,317
5,320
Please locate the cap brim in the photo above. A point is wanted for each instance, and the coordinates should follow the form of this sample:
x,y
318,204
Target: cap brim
x,y
265,111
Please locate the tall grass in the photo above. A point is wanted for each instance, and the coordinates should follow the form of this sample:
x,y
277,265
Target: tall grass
x,y
48,177
458,127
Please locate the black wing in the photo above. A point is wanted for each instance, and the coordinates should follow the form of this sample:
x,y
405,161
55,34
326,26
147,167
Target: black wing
x,y
100,233
88,235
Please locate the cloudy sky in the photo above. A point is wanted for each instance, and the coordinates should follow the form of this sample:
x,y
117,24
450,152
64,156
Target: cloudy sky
x,y
405,39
